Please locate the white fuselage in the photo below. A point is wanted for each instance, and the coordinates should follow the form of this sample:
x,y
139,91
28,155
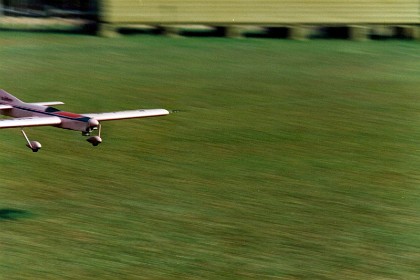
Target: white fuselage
x,y
68,120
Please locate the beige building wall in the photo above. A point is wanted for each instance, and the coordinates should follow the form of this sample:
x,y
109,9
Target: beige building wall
x,y
261,11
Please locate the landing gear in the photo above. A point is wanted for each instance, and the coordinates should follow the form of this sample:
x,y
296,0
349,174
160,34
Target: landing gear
x,y
33,145
96,140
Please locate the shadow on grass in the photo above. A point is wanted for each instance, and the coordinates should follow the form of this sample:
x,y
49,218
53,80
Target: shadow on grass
x,y
8,214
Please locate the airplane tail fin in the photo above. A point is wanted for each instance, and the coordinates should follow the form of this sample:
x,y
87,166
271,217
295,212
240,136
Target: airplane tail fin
x,y
7,98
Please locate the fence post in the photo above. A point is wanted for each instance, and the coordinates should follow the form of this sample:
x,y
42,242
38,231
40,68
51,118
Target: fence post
x,y
1,8
358,32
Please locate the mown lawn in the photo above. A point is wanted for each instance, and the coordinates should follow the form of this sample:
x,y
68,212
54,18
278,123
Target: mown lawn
x,y
288,160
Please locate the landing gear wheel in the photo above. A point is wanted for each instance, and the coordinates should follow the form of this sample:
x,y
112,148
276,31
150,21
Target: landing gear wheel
x,y
33,145
95,140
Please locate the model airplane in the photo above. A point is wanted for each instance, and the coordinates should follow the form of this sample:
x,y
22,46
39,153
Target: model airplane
x,y
41,114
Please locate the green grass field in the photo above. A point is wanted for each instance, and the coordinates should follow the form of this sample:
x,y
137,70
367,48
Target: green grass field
x,y
287,160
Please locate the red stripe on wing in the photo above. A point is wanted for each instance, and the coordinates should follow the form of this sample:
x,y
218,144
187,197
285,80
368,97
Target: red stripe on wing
x,y
68,114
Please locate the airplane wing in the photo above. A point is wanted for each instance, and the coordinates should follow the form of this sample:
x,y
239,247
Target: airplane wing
x,y
24,122
4,107
128,114
50,103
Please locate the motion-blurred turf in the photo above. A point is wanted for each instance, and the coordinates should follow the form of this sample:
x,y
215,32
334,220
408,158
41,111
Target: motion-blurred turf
x,y
289,160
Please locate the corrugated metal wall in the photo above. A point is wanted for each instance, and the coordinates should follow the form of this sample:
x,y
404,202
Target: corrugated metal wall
x,y
261,11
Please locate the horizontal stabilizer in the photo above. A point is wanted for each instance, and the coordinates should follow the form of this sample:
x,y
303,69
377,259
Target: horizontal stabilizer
x,y
51,103
4,107
34,121
128,114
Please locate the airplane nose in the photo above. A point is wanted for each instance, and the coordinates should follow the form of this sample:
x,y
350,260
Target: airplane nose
x,y
93,123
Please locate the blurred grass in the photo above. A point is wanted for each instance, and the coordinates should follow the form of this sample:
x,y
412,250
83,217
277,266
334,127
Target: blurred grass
x,y
288,160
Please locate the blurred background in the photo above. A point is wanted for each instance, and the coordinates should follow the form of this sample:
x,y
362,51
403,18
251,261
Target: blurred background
x,y
287,19
41,8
